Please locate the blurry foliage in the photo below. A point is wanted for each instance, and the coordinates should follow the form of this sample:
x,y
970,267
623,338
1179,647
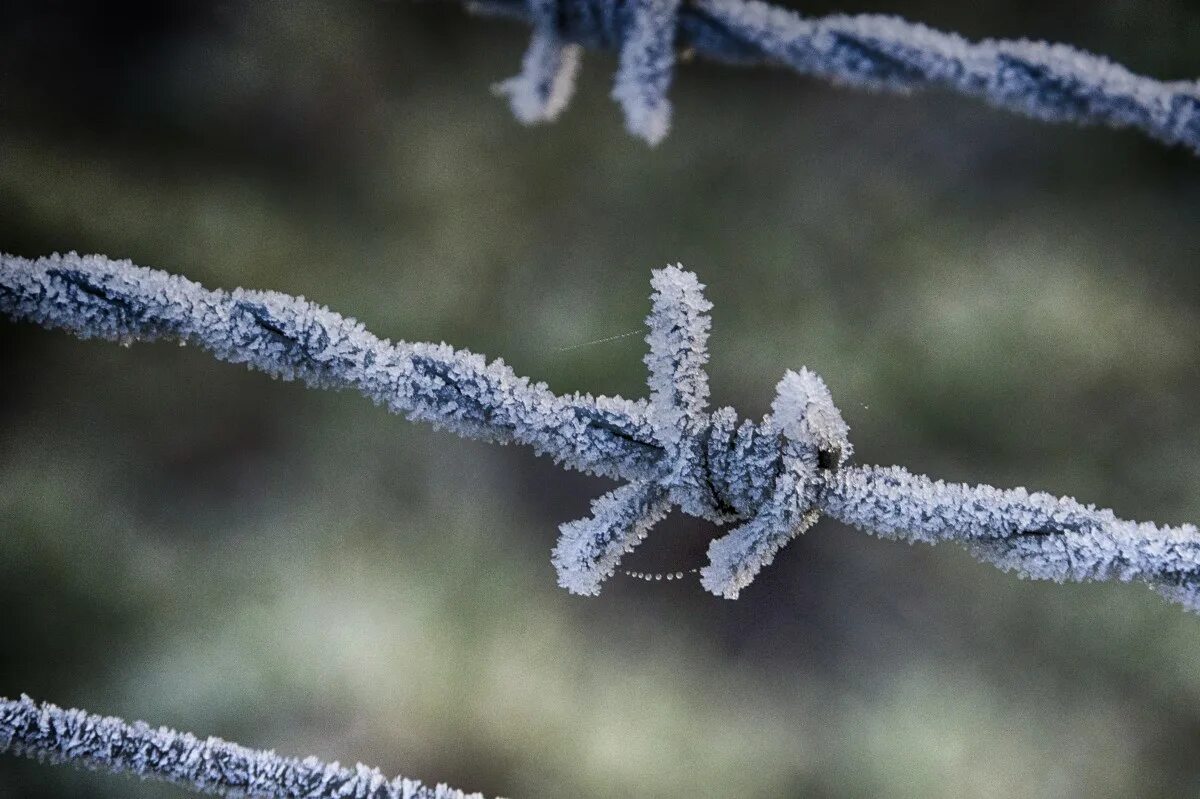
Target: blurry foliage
x,y
989,299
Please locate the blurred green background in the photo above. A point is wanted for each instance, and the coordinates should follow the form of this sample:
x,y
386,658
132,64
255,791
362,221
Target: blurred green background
x,y
989,298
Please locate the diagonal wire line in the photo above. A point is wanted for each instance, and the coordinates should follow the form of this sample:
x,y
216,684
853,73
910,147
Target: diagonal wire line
x,y
52,734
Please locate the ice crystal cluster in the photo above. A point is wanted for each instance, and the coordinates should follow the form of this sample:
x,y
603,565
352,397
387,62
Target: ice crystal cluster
x,y
1051,82
211,766
769,480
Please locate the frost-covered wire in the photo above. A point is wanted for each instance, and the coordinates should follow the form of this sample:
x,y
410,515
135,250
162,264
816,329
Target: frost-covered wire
x,y
209,766
1035,534
547,79
1051,82
769,479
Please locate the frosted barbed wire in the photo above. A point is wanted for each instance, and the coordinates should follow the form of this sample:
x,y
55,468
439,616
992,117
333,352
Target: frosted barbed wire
x,y
547,79
1050,82
290,338
773,478
1038,535
644,73
814,441
589,550
210,766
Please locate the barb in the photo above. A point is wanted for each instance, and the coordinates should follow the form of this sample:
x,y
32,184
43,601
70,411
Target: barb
x,y
1050,82
210,766
772,478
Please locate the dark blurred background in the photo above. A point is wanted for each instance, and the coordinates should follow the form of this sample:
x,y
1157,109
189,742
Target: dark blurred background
x,y
989,298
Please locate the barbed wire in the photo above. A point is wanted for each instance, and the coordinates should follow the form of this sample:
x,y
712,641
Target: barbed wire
x,y
1050,82
52,734
770,479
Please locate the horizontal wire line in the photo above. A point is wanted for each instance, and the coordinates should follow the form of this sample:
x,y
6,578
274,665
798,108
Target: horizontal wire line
x,y
767,476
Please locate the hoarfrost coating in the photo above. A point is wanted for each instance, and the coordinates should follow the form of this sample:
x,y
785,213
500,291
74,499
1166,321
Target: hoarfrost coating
x,y
1050,82
771,478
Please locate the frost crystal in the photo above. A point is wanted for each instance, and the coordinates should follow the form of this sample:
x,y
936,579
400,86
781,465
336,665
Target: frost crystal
x,y
547,80
644,75
589,550
209,765
679,325
803,412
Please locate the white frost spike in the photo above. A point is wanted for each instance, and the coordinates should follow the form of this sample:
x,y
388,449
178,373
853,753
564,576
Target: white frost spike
x,y
679,326
547,79
644,74
803,411
735,559
589,549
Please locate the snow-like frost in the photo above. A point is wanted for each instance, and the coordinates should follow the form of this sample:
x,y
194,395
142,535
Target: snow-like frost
x,y
547,79
736,558
1038,535
589,550
803,412
679,326
644,75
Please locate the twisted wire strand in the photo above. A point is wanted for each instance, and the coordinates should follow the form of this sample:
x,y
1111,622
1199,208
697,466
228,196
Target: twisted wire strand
x,y
52,734
1035,534
771,478
293,339
1050,82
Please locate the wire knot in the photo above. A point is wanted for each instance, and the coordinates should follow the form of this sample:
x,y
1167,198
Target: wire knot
x,y
767,476
643,31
